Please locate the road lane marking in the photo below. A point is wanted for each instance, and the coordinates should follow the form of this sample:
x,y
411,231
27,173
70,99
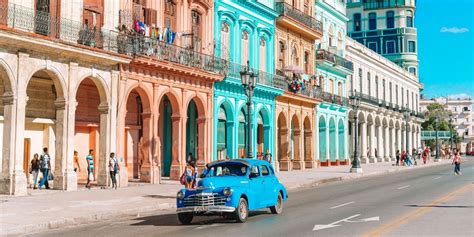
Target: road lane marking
x,y
406,186
334,224
438,177
345,204
407,218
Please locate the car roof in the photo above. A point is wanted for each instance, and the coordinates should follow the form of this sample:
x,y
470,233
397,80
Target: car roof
x,y
246,162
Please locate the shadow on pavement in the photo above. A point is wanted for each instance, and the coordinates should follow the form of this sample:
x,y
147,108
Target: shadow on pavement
x,y
172,219
443,206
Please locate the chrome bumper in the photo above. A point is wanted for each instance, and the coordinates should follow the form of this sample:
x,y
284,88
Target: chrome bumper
x,y
206,209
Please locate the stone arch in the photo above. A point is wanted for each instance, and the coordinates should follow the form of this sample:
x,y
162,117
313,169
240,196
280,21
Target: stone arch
x,y
224,133
307,142
8,77
145,95
99,83
54,74
323,131
173,97
263,129
200,103
341,140
332,139
282,142
295,141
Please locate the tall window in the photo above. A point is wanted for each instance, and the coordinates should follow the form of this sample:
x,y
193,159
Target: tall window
x,y
377,86
306,62
390,47
373,46
368,83
372,21
196,30
170,15
331,86
306,7
360,80
390,19
357,23
245,47
225,41
339,88
263,54
339,41
411,46
403,98
396,94
281,55
331,36
409,19
412,70
383,89
294,56
391,93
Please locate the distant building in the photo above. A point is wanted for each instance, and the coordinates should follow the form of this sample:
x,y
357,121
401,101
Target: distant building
x,y
462,118
386,27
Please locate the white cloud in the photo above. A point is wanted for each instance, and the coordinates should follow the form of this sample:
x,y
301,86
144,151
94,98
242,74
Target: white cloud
x,y
454,30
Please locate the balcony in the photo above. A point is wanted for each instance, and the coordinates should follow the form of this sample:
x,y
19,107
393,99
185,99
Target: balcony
x,y
125,43
263,78
298,21
332,61
378,4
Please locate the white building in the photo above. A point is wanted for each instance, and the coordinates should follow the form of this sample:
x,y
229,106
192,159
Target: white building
x,y
462,118
386,91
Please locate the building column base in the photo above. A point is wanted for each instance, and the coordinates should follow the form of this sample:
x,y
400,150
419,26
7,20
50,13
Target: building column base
x,y
387,158
285,165
103,178
175,172
122,179
19,184
335,163
5,186
66,181
372,159
298,165
345,162
310,164
325,163
364,160
379,159
145,173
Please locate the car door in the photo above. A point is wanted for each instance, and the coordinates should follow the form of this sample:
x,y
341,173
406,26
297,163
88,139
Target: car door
x,y
268,186
256,188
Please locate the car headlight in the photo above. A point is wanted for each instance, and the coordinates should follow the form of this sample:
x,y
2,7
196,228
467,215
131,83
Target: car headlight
x,y
180,195
227,191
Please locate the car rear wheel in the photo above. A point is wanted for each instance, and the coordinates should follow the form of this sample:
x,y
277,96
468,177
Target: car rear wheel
x,y
278,208
242,211
185,218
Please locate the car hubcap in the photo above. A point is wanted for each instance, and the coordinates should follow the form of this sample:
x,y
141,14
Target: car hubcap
x,y
243,210
279,204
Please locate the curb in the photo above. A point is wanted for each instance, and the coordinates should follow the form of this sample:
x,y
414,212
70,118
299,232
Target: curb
x,y
83,220
359,176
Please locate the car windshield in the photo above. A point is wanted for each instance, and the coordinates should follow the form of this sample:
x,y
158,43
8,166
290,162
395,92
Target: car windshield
x,y
227,169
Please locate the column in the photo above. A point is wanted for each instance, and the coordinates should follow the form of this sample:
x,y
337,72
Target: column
x,y
392,144
297,148
399,141
337,142
104,147
316,143
283,150
328,141
380,150
177,139
410,142
308,144
144,150
63,162
9,108
386,139
403,140
363,143
200,156
372,158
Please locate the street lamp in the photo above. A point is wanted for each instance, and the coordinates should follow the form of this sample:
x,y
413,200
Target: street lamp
x,y
436,141
249,81
406,114
355,107
451,132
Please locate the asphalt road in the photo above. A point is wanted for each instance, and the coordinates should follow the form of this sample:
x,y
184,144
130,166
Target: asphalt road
x,y
423,202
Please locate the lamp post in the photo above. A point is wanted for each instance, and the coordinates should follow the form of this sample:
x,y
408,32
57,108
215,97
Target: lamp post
x,y
406,114
355,107
249,81
436,141
451,132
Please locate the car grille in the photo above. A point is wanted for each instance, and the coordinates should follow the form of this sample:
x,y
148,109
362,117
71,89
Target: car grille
x,y
204,199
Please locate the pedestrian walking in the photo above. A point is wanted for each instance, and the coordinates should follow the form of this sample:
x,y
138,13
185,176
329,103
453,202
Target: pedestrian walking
x,y
425,155
45,165
190,174
408,159
35,169
398,158
90,168
77,167
402,158
114,168
268,156
190,158
457,164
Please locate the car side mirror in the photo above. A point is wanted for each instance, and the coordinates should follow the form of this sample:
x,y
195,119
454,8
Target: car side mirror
x,y
253,175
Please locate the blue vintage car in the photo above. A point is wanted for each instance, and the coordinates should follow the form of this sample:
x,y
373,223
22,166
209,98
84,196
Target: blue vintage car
x,y
232,188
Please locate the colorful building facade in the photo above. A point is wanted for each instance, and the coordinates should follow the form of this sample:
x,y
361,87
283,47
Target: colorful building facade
x,y
244,32
295,61
331,72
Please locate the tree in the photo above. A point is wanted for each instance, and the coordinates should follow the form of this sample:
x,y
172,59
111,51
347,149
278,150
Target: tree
x,y
437,118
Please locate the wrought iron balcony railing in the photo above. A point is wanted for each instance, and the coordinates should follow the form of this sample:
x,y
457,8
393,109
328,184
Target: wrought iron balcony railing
x,y
264,78
124,42
376,4
337,60
318,93
285,9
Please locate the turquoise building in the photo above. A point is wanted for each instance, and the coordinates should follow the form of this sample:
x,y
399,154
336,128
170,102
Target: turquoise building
x,y
244,31
332,70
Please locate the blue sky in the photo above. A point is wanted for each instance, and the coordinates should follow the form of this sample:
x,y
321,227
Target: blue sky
x,y
445,46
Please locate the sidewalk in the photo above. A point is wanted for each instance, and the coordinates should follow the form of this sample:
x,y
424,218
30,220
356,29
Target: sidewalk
x,y
50,209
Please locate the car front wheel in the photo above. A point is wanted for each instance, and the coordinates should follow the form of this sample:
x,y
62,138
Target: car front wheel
x,y
242,212
278,208
185,218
